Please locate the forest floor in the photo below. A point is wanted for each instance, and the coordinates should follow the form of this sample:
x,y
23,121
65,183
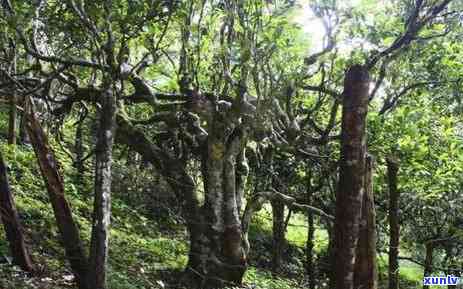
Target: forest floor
x,y
144,253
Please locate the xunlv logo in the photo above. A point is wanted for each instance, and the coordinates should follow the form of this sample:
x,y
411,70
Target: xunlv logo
x,y
441,281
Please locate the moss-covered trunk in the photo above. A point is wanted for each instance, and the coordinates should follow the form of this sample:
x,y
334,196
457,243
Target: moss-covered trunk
x,y
99,245
222,254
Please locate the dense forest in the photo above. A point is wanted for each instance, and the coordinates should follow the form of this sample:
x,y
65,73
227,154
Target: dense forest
x,y
263,144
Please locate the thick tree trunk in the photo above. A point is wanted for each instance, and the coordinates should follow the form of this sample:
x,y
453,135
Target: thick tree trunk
x,y
278,214
351,174
226,252
365,276
428,261
11,223
217,248
99,245
393,216
67,227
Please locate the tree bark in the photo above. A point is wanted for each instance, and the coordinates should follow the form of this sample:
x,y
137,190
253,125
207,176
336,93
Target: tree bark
x,y
351,174
99,245
12,224
12,121
217,254
79,151
278,217
23,134
393,216
428,261
310,264
226,252
366,276
13,114
67,227
242,172
309,248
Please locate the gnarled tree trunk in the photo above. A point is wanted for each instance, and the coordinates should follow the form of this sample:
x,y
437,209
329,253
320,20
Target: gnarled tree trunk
x,y
351,174
224,250
217,254
11,223
365,276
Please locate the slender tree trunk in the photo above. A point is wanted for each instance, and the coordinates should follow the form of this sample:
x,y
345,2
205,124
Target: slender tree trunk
x,y
352,173
12,121
67,227
310,264
366,276
393,216
278,213
12,224
102,203
331,257
13,115
428,261
195,225
23,135
79,151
